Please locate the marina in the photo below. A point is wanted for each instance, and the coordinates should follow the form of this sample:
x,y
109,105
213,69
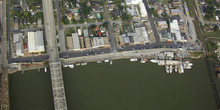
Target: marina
x,y
120,86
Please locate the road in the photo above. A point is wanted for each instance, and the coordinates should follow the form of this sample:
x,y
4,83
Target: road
x,y
151,20
91,52
110,32
60,29
55,64
81,25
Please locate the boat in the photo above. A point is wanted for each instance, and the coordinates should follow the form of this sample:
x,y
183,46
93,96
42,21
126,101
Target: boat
x,y
176,68
143,60
111,62
167,69
65,66
45,69
106,61
71,65
171,69
181,70
83,63
154,61
133,59
99,61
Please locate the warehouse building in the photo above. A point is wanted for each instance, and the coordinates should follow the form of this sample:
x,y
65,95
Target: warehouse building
x,y
76,44
69,42
18,42
175,30
35,42
143,10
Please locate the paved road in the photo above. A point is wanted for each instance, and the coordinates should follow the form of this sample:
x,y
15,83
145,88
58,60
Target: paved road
x,y
25,30
110,32
60,28
90,52
81,25
151,20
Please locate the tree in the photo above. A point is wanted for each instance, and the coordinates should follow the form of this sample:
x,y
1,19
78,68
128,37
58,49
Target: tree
x,y
65,20
85,9
26,14
105,24
126,17
216,28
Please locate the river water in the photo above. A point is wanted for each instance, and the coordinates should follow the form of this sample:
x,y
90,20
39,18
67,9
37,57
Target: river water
x,y
122,86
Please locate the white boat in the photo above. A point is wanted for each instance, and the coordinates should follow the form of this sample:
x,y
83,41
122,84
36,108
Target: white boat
x,y
83,63
171,69
65,66
133,59
106,61
167,69
181,70
154,61
143,60
99,61
176,68
111,62
45,69
71,65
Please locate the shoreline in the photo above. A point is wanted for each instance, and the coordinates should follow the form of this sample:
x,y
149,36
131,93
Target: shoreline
x,y
146,54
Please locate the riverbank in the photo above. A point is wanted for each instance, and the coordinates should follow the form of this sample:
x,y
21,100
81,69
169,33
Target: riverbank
x,y
124,85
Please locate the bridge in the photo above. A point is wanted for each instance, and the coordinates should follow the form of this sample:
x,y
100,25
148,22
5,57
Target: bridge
x,y
55,65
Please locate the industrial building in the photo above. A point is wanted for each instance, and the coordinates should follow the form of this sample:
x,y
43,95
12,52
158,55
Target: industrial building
x,y
18,42
133,2
174,29
100,42
35,42
143,10
69,42
162,24
76,44
142,35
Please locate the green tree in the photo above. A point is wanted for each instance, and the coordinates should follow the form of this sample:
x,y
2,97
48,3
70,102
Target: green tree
x,y
65,20
85,9
126,17
216,28
26,14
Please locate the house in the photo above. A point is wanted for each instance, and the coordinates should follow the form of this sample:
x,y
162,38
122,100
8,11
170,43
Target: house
x,y
143,10
111,7
85,32
110,1
132,11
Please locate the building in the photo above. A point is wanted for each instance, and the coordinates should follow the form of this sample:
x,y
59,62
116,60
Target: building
x,y
87,42
175,30
79,32
35,42
69,42
133,2
143,10
86,33
18,41
165,36
162,24
76,44
97,42
142,35
175,12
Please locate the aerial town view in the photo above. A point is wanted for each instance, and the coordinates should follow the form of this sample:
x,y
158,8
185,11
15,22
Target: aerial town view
x,y
109,54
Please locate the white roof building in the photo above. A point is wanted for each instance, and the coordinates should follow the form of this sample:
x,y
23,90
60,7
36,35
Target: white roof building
x,y
17,39
174,28
142,36
98,42
86,33
79,32
134,2
35,42
76,44
143,10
